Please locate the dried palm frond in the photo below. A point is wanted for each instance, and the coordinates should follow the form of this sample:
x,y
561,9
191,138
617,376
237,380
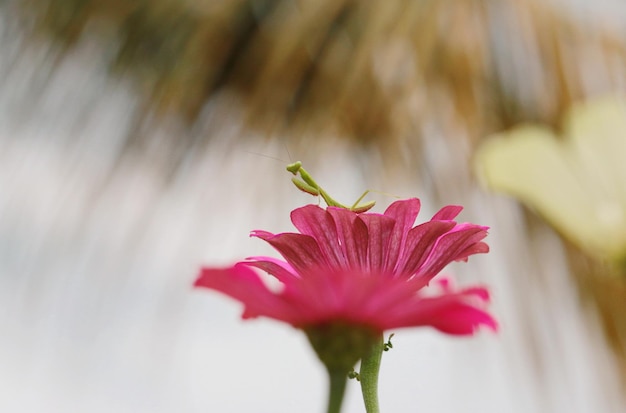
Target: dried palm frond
x,y
366,70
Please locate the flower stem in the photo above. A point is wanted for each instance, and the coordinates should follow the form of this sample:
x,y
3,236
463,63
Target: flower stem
x,y
338,380
370,367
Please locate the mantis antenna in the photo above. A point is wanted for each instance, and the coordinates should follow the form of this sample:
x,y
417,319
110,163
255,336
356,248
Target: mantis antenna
x,y
307,184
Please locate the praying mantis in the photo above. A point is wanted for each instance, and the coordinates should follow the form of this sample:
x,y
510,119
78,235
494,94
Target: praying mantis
x,y
307,184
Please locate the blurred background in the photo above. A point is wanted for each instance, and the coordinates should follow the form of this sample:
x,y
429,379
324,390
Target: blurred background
x,y
141,139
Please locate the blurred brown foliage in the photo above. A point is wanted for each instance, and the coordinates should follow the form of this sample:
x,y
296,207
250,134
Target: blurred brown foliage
x,y
372,71
603,287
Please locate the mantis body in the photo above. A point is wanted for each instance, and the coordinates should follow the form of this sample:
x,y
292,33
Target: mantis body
x,y
307,184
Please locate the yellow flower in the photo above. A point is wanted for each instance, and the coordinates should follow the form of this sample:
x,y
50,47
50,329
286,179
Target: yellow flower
x,y
577,182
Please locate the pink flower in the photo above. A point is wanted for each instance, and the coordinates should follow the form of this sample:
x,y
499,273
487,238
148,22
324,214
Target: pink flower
x,y
366,270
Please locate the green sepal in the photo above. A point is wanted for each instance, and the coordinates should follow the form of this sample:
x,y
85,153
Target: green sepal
x,y
340,345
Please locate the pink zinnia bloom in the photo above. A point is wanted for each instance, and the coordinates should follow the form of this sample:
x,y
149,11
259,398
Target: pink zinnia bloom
x,y
366,270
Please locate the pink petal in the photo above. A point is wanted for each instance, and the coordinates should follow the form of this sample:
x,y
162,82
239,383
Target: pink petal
x,y
420,242
462,319
450,246
447,213
316,222
300,251
279,269
379,228
243,284
376,300
384,302
352,235
450,313
478,292
478,248
347,296
403,213
259,233
385,296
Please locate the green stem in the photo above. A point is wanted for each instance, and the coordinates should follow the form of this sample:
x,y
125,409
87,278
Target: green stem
x,y
338,380
370,367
